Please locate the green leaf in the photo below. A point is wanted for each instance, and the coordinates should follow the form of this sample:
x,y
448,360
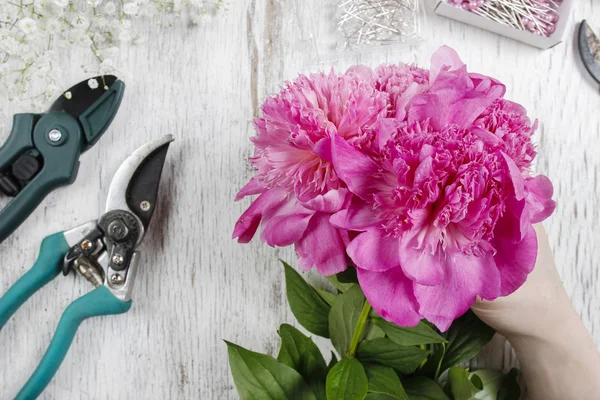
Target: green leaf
x,y
509,388
383,380
432,367
374,332
258,376
422,388
343,318
348,275
311,311
302,354
461,387
466,337
341,286
491,381
327,296
385,352
379,396
420,334
347,380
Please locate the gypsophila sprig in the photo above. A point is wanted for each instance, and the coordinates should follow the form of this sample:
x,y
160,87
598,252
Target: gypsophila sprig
x,y
35,33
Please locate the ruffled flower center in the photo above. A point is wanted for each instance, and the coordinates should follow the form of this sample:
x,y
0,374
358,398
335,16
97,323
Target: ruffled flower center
x,y
446,183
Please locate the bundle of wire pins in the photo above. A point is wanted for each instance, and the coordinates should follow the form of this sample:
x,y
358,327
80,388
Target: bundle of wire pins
x,y
536,16
377,21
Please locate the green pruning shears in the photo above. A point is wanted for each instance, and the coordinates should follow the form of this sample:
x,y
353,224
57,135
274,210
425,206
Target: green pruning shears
x,y
104,252
42,151
589,49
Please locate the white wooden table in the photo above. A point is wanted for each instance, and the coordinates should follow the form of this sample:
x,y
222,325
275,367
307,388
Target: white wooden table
x,y
197,286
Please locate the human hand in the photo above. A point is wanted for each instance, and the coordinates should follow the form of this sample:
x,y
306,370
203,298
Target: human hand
x,y
557,355
537,306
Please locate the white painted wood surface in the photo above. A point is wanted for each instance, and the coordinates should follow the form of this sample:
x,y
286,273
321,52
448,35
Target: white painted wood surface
x,y
196,285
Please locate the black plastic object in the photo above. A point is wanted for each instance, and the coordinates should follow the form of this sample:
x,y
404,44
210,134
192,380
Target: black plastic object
x,y
142,191
42,151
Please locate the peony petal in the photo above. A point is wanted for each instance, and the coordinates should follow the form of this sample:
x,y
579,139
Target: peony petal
x,y
331,202
251,188
286,225
466,277
322,247
391,295
516,179
404,100
323,149
454,98
539,191
444,57
363,71
373,251
419,263
357,217
264,205
353,167
515,260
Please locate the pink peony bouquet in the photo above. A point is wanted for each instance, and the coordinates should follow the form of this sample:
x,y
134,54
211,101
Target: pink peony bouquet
x,y
419,179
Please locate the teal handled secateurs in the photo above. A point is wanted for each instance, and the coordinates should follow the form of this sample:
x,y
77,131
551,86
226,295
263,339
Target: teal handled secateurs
x,y
42,151
104,252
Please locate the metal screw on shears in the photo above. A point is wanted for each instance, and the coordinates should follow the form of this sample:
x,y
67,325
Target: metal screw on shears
x,y
86,245
118,230
54,135
145,205
116,279
118,260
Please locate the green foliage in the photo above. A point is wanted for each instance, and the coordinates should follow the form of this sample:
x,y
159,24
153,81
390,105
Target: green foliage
x,y
343,318
347,380
460,386
308,307
258,376
391,362
302,354
466,337
420,334
384,381
383,351
339,285
422,388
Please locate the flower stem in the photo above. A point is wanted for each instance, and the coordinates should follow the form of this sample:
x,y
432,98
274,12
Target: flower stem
x,y
360,327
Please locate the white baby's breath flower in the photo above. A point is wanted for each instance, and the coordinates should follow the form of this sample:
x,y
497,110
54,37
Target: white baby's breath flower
x,y
110,8
27,25
36,34
80,22
125,36
148,9
4,68
53,26
106,66
9,45
130,8
60,3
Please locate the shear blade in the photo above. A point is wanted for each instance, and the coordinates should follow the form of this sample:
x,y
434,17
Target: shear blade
x,y
589,48
134,187
77,99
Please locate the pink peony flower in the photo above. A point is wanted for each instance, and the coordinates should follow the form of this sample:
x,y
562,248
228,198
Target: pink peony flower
x,y
444,210
299,190
421,179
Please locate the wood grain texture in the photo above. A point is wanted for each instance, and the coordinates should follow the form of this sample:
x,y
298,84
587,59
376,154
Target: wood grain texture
x,y
197,286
